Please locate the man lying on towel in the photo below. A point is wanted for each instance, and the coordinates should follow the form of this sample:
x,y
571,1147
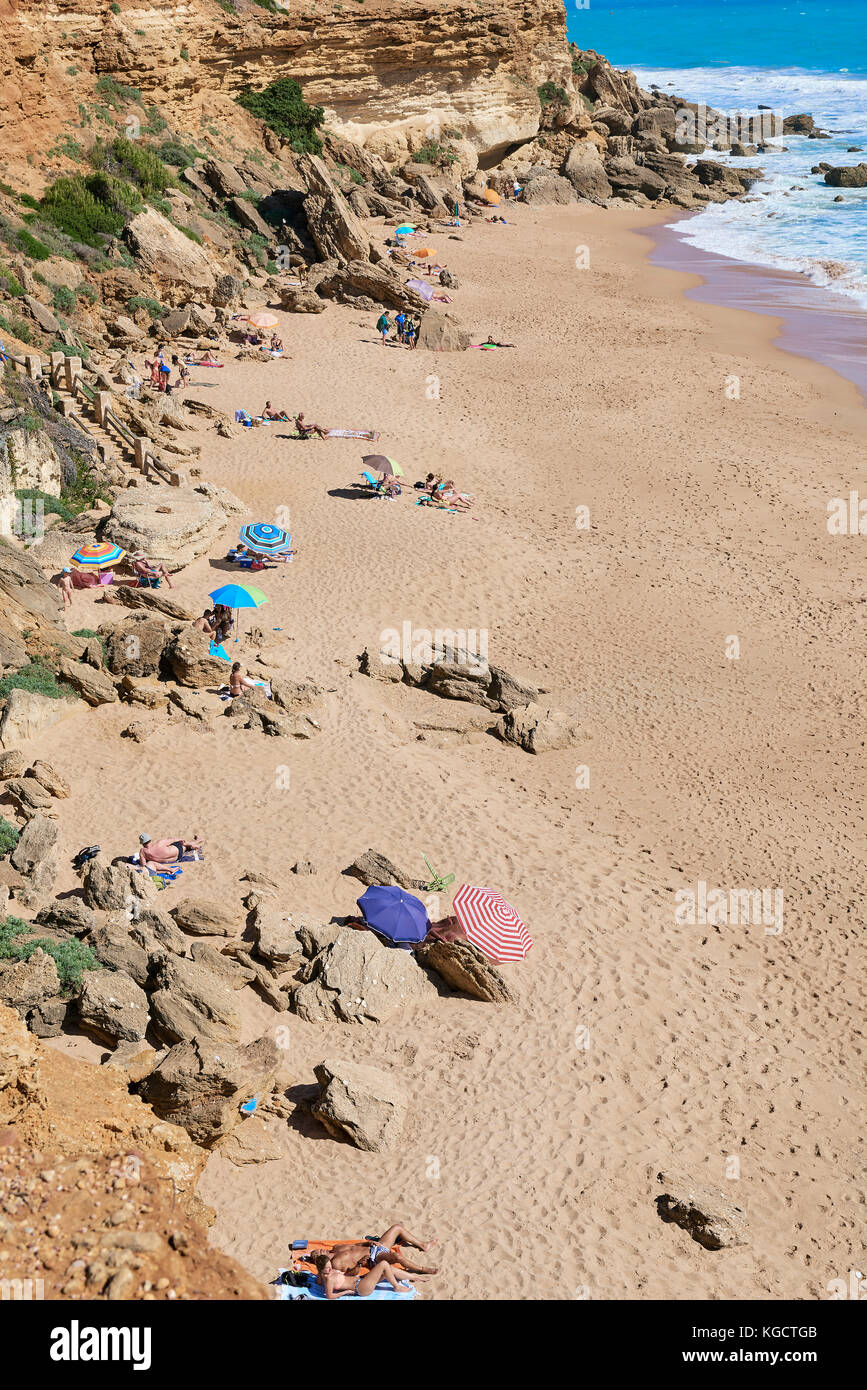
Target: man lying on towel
x,y
162,852
365,1254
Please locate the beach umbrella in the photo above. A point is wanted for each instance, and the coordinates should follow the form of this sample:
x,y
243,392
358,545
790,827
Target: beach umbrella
x,y
394,913
421,287
97,554
405,229
491,923
379,463
266,539
262,319
490,195
238,596
425,252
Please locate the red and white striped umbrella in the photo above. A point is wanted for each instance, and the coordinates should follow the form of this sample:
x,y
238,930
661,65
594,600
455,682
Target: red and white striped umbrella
x,y
491,923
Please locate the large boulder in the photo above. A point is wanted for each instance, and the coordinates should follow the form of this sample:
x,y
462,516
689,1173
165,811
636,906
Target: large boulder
x,y
69,916
361,1104
461,680
112,1006
202,1085
117,887
172,524
442,333
462,965
586,172
116,948
705,1213
847,176
172,260
375,869
36,855
297,299
94,686
189,659
135,646
27,983
538,729
358,980
205,917
547,187
155,601
275,932
626,177
334,227
224,178
189,1001
362,279
27,715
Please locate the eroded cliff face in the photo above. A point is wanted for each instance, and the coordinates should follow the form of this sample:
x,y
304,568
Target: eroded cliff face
x,y
387,71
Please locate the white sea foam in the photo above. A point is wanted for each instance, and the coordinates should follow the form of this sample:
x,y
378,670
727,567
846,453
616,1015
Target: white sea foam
x,y
791,220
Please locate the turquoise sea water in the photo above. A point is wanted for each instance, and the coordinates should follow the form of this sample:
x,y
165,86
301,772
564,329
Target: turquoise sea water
x,y
736,56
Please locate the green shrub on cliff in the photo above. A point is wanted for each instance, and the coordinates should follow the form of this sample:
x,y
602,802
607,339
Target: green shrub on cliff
x,y
87,207
71,957
552,95
282,107
38,679
432,152
8,836
135,163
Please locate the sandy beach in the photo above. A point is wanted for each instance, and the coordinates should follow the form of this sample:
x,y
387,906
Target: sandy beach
x,y
706,457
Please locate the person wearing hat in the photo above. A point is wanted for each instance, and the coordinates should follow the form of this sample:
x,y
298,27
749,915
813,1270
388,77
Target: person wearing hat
x,y
168,851
63,580
149,569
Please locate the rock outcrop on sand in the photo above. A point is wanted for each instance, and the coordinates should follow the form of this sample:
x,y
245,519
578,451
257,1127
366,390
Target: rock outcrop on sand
x,y
171,524
361,1104
358,980
705,1213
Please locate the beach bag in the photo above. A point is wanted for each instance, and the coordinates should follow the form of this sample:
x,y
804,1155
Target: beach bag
x,y
83,855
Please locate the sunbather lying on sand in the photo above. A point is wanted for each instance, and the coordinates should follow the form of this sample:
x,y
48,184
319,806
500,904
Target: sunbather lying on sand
x,y
167,851
365,1254
447,494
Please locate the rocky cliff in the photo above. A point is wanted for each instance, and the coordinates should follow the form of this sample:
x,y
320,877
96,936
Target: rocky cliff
x,y
384,70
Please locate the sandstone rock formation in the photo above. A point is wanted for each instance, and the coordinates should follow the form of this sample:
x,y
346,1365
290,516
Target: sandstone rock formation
x,y
361,1104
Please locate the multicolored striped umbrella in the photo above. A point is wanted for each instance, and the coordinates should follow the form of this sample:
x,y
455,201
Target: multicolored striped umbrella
x,y
267,539
97,554
491,923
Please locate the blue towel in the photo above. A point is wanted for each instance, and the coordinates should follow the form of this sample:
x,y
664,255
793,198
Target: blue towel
x,y
220,651
313,1290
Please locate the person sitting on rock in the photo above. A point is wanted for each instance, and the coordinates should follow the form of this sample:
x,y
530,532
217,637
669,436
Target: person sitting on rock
x,y
159,852
307,431
206,623
240,683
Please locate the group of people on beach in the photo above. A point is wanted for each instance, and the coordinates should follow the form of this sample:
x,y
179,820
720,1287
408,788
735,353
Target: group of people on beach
x,y
406,328
146,574
161,372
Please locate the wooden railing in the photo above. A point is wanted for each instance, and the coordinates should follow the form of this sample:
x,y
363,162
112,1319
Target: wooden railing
x,y
65,374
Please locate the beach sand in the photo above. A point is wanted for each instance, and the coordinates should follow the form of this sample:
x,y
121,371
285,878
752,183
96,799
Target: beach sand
x,y
530,1155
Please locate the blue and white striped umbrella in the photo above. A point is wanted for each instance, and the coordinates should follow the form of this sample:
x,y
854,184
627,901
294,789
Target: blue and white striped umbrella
x,y
267,539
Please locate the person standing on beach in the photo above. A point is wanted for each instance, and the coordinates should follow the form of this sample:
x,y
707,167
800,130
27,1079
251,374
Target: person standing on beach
x,y
383,324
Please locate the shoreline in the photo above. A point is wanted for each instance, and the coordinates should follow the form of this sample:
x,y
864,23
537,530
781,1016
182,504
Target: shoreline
x,y
811,322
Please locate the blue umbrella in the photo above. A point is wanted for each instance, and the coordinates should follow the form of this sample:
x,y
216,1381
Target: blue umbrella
x,y
267,539
395,914
238,596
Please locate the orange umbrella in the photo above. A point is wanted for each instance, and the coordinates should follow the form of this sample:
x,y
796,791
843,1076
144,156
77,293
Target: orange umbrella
x,y
425,251
263,320
491,196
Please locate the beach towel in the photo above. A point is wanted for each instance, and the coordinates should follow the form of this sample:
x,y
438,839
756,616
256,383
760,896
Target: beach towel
x,y
311,1290
220,651
191,362
354,434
